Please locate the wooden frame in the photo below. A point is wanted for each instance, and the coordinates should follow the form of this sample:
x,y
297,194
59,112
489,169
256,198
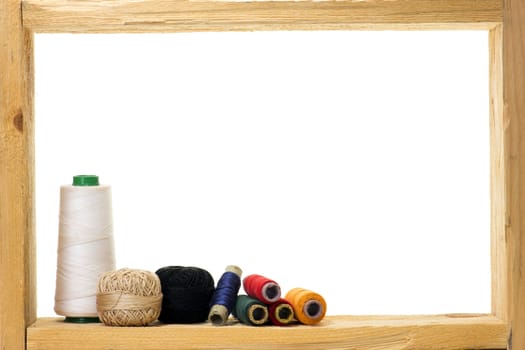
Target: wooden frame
x,y
505,21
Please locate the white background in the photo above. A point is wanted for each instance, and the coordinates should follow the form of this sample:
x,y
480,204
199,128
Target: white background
x,y
355,164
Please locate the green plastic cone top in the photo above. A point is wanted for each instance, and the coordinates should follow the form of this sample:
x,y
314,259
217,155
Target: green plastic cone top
x,y
85,180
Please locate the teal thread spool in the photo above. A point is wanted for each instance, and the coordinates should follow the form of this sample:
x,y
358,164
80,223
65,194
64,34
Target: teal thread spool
x,y
85,247
250,311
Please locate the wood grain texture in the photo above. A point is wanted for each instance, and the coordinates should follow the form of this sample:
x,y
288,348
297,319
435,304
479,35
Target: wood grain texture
x,y
17,244
17,301
90,16
514,120
341,332
498,178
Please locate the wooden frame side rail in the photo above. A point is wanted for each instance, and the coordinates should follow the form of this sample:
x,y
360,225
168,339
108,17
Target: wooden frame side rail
x,y
505,21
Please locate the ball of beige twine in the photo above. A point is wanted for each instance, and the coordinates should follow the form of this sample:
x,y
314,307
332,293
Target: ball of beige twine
x,y
129,297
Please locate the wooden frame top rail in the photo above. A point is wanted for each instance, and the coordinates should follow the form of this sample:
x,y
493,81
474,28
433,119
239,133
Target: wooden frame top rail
x,y
137,16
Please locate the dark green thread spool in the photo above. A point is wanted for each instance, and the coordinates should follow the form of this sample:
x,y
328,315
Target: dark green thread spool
x,y
250,311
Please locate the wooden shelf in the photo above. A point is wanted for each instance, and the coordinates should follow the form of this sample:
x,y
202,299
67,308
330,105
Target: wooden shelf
x,y
338,332
113,16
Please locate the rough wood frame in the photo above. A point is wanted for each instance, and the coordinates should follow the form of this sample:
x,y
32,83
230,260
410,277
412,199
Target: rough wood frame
x,y
505,21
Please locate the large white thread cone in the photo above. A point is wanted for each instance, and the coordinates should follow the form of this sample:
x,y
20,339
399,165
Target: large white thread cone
x,y
85,248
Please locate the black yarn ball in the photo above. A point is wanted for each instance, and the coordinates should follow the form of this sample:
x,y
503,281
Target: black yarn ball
x,y
187,292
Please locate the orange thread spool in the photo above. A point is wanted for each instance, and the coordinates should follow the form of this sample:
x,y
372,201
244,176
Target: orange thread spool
x,y
309,307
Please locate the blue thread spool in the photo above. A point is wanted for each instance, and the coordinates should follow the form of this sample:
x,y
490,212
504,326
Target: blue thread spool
x,y
225,296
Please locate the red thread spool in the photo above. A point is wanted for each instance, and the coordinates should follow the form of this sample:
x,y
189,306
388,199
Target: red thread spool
x,y
281,313
262,288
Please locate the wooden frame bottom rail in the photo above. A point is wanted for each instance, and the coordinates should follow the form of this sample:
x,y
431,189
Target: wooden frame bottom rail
x,y
337,332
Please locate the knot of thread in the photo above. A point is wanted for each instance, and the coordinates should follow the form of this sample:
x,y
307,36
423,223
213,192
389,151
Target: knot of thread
x,y
129,297
187,294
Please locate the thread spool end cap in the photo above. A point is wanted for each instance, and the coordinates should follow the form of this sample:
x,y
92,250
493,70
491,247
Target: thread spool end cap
x,y
85,180
313,309
235,269
284,313
218,315
271,292
82,319
258,314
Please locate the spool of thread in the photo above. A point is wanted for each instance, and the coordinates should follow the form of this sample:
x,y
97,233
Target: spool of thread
x,y
225,296
85,247
250,311
281,313
309,307
187,293
129,297
262,288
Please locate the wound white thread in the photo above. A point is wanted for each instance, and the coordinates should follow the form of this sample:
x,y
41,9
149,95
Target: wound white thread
x,y
85,248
